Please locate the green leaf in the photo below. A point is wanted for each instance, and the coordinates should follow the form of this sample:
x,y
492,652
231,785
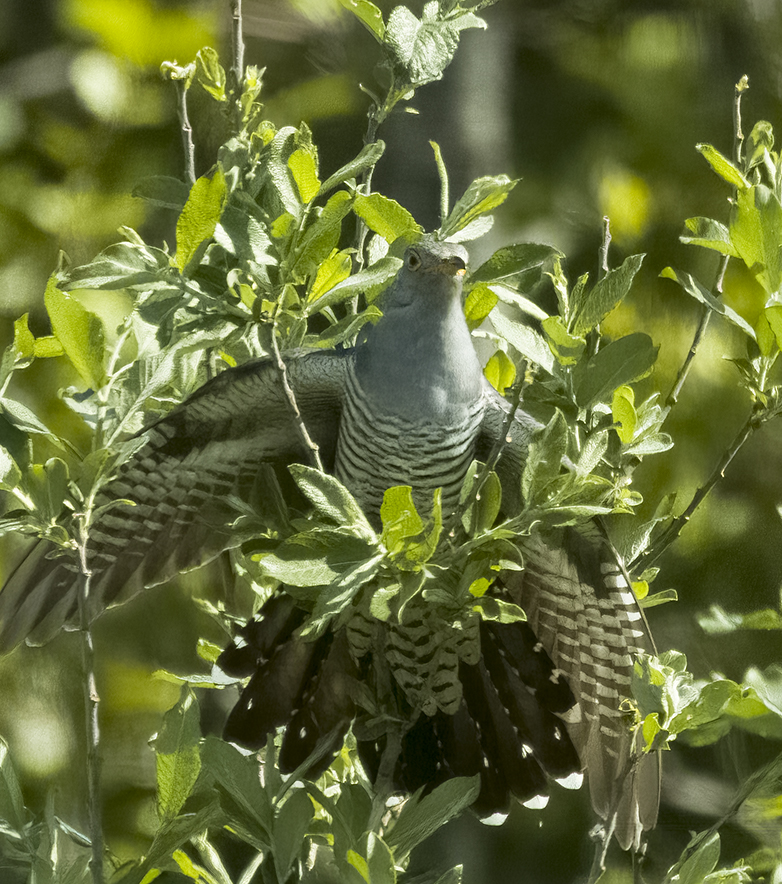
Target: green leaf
x,y
369,16
766,335
386,217
322,235
380,861
619,362
246,803
723,166
177,756
359,864
334,270
421,49
702,294
481,197
290,829
422,817
698,859
330,498
567,348
196,225
80,333
303,164
514,260
544,458
210,74
24,341
479,303
339,594
756,232
366,160
316,558
498,610
709,234
244,235
623,413
20,417
658,598
124,265
12,809
590,306
400,518
525,339
379,274
500,371
163,191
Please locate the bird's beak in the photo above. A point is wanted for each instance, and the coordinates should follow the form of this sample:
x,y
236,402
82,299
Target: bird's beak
x,y
453,267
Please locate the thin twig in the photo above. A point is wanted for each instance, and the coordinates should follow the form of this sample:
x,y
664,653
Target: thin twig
x,y
181,77
312,447
237,44
738,144
91,705
674,529
384,782
604,246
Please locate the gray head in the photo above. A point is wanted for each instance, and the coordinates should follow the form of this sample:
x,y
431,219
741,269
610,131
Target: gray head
x,y
430,267
419,358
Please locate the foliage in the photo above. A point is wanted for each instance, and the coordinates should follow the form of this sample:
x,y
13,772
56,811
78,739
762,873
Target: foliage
x,y
261,263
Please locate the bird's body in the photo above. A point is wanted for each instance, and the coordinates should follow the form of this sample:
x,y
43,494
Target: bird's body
x,y
513,702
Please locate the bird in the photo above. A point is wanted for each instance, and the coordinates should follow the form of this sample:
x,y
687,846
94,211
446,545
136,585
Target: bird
x,y
518,703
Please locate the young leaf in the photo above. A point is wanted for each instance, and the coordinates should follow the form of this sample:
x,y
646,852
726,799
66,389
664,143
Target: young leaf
x,y
400,518
210,74
199,218
709,234
290,829
380,861
366,159
330,497
177,754
702,294
590,306
322,235
619,362
303,164
756,232
369,16
334,270
500,372
479,303
163,191
80,333
524,339
386,217
722,166
421,49
376,276
567,348
623,412
422,817
482,196
514,260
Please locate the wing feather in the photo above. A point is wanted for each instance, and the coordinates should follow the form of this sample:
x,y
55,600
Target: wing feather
x,y
209,446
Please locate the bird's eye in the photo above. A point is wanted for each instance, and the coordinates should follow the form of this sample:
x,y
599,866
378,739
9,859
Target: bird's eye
x,y
413,261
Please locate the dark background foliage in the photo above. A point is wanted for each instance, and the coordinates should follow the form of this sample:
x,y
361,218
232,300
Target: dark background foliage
x,y
597,106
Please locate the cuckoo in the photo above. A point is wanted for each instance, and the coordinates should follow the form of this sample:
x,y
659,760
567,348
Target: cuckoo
x,y
407,406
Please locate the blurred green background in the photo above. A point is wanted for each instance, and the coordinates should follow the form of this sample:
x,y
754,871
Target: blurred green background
x,y
597,105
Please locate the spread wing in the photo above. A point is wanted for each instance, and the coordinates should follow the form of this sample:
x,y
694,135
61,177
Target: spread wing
x,y
589,623
211,445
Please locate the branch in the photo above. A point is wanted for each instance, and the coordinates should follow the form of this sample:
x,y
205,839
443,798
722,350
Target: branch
x,y
181,77
674,529
738,144
311,446
91,705
237,44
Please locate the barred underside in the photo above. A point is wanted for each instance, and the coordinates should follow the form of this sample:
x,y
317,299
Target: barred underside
x,y
378,449
424,654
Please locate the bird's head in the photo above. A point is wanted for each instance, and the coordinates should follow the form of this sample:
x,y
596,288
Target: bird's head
x,y
431,270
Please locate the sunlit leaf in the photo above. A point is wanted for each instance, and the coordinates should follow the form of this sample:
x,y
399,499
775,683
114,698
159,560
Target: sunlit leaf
x,y
722,166
619,362
709,234
79,331
589,306
386,217
369,16
199,218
